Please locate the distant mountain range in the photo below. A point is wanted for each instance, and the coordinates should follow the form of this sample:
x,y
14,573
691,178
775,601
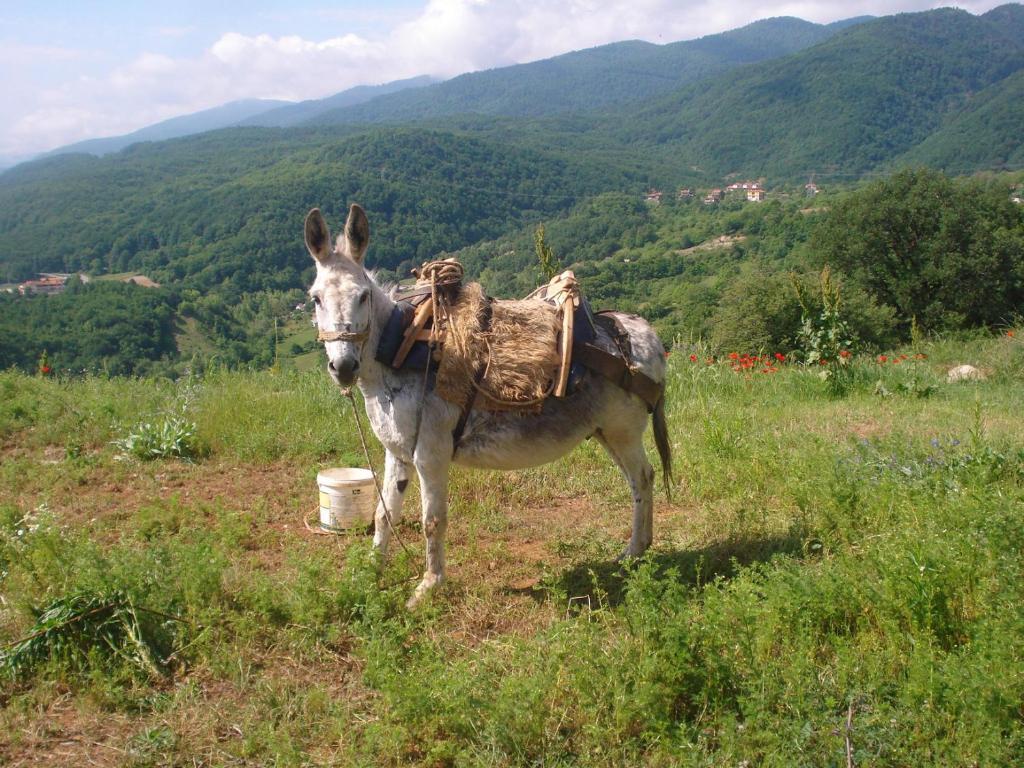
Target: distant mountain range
x,y
267,113
578,81
597,78
223,116
861,101
309,111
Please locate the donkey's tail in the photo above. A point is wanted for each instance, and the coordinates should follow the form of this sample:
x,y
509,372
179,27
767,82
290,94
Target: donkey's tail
x,y
664,446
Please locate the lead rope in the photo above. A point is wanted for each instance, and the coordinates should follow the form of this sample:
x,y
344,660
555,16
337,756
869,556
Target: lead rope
x,y
347,392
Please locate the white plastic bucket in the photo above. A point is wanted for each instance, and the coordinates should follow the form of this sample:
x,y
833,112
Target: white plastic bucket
x,y
348,498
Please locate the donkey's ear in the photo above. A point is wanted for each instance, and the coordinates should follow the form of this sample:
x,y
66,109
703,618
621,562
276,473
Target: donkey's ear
x,y
357,233
318,237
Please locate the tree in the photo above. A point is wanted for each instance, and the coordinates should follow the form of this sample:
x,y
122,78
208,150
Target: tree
x,y
949,253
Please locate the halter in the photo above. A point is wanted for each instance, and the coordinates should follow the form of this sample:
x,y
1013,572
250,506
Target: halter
x,y
358,337
326,336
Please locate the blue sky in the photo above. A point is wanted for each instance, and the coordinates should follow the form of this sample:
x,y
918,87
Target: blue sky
x,y
77,70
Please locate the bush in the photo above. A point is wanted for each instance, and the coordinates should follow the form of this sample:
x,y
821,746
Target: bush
x,y
948,253
760,310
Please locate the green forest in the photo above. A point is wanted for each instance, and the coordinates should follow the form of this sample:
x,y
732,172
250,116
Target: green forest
x,y
915,252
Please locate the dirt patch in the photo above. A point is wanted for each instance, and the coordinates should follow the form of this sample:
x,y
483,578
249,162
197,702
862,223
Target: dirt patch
x,y
61,734
723,241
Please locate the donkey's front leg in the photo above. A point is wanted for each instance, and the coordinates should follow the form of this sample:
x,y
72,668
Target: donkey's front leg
x,y
433,474
396,480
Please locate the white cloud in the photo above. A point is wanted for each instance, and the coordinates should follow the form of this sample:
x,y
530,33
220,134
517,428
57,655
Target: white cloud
x,y
446,38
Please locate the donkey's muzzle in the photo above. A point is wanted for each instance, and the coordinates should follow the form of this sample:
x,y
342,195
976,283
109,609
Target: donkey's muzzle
x,y
343,369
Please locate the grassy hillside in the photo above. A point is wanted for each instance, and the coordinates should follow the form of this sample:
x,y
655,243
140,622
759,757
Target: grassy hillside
x,y
835,580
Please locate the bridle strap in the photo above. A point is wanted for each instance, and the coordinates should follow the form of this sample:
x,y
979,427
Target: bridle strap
x,y
325,336
357,337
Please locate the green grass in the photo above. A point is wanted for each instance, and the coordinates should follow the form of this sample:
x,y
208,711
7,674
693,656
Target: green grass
x,y
838,577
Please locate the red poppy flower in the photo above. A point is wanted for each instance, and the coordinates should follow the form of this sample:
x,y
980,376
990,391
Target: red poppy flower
x,y
693,358
844,353
823,361
45,369
1009,334
882,358
780,357
734,355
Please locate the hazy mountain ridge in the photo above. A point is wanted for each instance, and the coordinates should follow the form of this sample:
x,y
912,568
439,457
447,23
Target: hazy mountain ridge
x,y
267,113
304,111
595,78
212,119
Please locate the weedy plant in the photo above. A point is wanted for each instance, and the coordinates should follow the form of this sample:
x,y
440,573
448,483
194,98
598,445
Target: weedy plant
x,y
825,337
172,437
76,628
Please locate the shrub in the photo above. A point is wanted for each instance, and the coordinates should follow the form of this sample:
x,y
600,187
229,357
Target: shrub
x,y
759,310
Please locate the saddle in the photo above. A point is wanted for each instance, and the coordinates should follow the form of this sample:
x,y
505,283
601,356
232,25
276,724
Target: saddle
x,y
496,354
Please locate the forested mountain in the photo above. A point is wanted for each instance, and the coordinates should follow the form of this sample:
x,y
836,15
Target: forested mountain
x,y
984,133
591,79
847,106
224,210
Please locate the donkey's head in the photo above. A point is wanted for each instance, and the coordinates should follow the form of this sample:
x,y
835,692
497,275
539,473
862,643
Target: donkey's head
x,y
342,291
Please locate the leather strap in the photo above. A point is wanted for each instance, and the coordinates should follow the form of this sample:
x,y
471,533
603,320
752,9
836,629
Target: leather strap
x,y
616,370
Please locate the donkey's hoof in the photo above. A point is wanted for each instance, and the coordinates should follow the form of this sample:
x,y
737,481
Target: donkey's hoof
x,y
423,590
629,554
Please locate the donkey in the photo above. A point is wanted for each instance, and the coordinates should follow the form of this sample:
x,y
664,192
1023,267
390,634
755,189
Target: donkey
x,y
417,432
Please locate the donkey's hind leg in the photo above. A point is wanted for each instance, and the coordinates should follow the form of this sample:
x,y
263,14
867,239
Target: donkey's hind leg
x,y
396,480
626,447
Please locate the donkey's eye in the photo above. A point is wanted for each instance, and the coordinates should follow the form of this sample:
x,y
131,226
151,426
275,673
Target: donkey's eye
x,y
363,297
316,300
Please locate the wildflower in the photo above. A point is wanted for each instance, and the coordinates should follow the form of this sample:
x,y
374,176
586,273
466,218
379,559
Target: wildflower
x,y
920,356
780,357
693,358
823,361
1009,334
734,355
883,359
845,354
